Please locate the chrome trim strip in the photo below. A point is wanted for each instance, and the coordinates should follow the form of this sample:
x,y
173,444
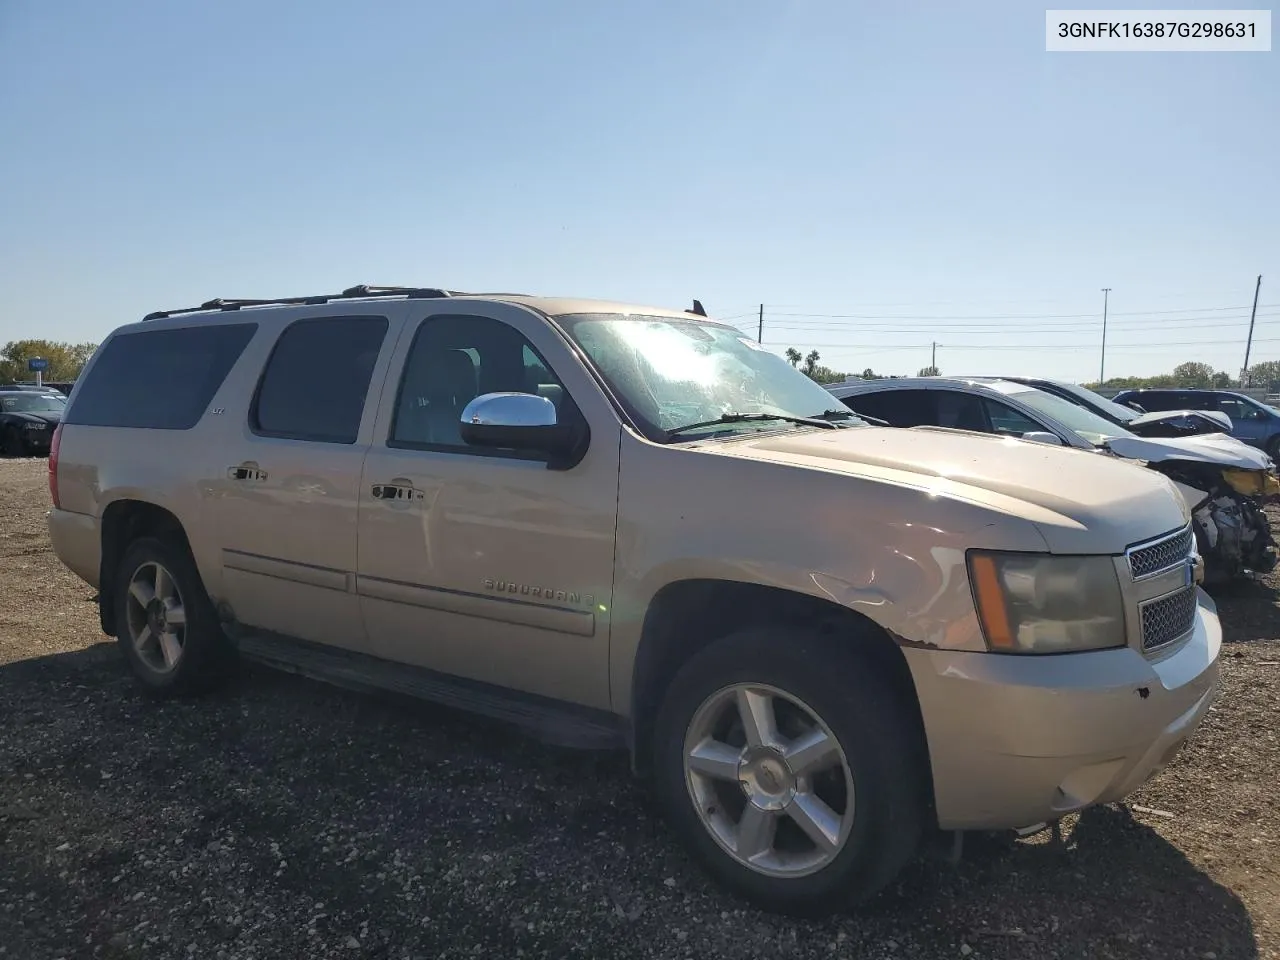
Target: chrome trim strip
x,y
582,623
323,577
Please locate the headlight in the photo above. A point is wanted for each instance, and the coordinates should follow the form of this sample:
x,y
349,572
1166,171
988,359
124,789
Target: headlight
x,y
1035,603
37,426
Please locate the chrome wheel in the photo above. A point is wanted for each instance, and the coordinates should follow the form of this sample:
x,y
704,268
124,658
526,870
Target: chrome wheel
x,y
156,617
769,780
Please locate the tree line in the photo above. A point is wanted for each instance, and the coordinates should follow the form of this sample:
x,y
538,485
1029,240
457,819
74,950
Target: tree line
x,y
1192,374
808,365
66,360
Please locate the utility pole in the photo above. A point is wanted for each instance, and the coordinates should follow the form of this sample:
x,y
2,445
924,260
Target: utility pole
x,y
933,357
1248,344
1102,367
760,329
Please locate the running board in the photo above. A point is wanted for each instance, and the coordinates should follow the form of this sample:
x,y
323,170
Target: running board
x,y
550,721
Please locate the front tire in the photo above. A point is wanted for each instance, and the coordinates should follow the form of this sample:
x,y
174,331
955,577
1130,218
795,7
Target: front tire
x,y
165,623
791,768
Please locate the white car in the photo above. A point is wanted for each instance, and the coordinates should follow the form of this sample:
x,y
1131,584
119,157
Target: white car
x,y
1223,480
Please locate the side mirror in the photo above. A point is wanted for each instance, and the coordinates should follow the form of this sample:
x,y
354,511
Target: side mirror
x,y
1043,436
520,421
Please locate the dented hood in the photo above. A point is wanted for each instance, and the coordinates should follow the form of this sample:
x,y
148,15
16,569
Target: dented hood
x,y
1081,502
1215,448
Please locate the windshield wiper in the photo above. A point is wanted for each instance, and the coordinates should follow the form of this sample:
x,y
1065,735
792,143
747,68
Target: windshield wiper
x,y
845,414
750,418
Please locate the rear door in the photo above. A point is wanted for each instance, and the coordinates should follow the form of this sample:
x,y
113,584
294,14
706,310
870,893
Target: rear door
x,y
284,477
1159,401
482,563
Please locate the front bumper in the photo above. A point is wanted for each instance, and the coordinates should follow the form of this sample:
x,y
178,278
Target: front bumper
x,y
1015,741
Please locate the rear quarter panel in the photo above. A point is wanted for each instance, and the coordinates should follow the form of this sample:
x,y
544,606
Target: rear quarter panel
x,y
99,466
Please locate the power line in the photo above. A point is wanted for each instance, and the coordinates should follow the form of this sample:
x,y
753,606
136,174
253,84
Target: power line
x,y
960,327
1009,316
1009,346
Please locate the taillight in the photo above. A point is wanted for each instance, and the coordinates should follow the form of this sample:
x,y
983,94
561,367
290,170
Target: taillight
x,y
54,444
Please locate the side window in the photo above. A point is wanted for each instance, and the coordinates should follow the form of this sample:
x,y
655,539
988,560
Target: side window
x,y
159,379
898,408
1237,409
453,360
1007,421
1154,401
317,378
961,411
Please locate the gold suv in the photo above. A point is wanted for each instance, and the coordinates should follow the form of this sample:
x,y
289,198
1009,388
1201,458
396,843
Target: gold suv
x,y
631,526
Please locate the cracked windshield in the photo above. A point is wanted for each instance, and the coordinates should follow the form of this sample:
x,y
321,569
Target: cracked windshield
x,y
679,374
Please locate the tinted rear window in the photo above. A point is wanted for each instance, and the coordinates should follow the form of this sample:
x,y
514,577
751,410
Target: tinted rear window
x,y
159,379
317,379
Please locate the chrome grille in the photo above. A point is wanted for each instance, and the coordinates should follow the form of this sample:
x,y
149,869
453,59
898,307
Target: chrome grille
x,y
1168,618
1152,558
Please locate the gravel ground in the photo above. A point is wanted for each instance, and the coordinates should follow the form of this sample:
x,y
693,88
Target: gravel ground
x,y
283,818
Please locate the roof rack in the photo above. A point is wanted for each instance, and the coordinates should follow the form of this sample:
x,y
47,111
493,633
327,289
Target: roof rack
x,y
362,291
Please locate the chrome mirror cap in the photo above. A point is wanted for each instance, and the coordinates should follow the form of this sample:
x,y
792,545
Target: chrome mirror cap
x,y
510,410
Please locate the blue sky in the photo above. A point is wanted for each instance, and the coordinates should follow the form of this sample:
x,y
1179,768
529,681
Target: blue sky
x,y
880,175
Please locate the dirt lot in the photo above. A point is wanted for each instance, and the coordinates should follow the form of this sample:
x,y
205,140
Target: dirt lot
x,y
282,818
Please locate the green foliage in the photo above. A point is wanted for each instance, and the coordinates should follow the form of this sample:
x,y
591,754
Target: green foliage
x,y
65,359
825,375
1193,374
1265,375
793,356
929,372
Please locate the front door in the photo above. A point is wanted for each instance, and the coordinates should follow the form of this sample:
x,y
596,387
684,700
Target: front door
x,y
1248,423
479,563
285,477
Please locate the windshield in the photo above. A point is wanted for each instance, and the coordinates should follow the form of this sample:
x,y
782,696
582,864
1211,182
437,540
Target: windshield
x,y
32,403
671,372
1086,423
1099,403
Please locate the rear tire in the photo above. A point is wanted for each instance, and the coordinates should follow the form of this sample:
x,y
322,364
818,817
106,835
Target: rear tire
x,y
165,623
1273,448
801,831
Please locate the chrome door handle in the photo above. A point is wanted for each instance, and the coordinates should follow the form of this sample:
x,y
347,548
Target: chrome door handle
x,y
249,470
396,490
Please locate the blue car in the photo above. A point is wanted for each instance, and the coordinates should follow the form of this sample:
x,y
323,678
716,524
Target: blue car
x,y
1251,421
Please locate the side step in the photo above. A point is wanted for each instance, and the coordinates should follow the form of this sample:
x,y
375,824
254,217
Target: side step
x,y
550,721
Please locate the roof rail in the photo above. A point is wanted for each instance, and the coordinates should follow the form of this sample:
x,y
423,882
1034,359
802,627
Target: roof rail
x,y
361,291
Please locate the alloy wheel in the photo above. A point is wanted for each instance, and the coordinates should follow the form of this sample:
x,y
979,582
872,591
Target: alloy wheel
x,y
156,617
769,780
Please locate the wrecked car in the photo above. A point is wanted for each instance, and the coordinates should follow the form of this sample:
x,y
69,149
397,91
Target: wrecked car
x,y
1173,422
1225,482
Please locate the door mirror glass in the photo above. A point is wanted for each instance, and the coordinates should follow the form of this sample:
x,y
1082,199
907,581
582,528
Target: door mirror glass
x,y
514,421
1043,436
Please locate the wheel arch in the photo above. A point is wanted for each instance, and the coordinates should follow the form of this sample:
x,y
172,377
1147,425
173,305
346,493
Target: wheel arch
x,y
122,522
686,615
